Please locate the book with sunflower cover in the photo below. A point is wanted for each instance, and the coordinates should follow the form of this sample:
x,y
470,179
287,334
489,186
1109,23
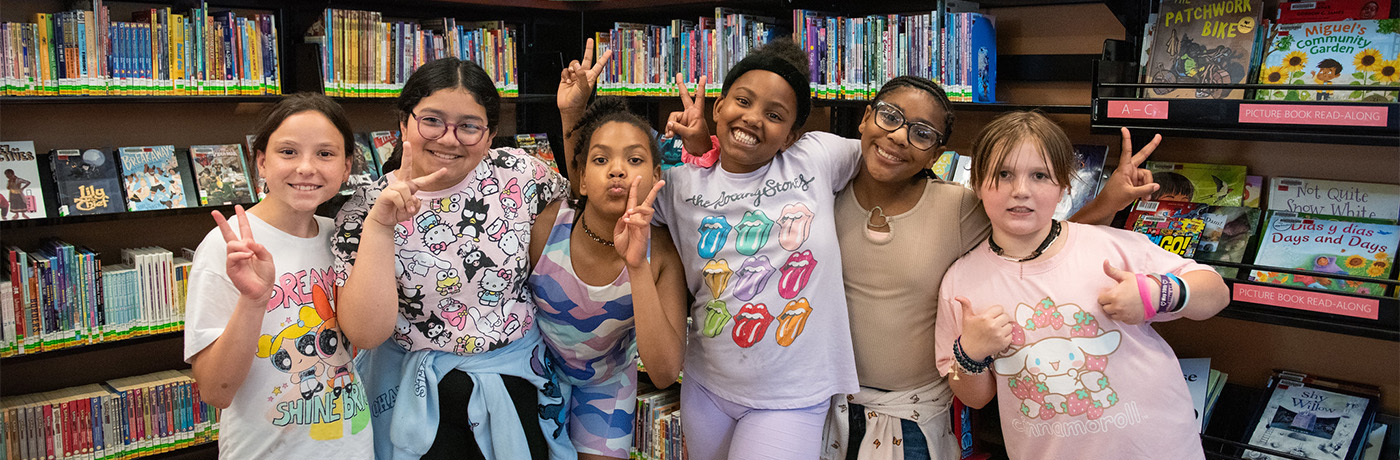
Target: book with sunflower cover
x,y
1205,42
1326,244
1348,55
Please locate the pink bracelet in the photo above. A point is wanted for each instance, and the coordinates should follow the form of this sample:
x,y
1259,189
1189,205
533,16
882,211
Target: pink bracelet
x,y
703,160
1147,312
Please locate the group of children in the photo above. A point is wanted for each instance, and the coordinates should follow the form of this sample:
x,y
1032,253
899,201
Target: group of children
x,y
817,324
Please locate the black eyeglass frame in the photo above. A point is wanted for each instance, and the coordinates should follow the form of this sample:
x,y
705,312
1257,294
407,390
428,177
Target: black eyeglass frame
x,y
939,140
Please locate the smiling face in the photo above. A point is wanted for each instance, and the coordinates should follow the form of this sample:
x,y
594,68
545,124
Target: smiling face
x,y
617,152
887,156
452,106
305,162
754,120
1020,194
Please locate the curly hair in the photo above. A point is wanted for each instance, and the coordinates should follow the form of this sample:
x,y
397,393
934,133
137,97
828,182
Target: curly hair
x,y
602,111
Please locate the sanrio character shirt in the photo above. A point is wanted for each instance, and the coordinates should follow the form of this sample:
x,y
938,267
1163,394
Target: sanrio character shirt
x,y
462,262
1074,383
759,251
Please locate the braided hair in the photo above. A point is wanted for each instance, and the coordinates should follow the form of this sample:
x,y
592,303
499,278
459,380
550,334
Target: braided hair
x,y
602,111
933,89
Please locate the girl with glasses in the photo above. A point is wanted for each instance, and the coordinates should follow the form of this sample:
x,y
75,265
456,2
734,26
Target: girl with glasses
x,y
434,261
261,333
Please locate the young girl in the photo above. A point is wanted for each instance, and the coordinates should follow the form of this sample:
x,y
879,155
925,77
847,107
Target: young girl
x,y
901,228
243,303
593,266
1052,317
439,263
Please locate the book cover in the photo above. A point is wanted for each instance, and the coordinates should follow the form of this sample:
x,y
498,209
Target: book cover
x,y
1311,422
1086,180
1335,198
259,184
23,197
1253,190
88,182
1174,225
1196,371
363,171
1228,231
1215,184
943,166
538,145
221,172
384,144
1326,244
152,178
1347,55
983,44
671,150
1203,41
1331,10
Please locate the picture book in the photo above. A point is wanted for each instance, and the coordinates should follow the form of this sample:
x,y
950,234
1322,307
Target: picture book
x,y
1335,198
1331,10
538,145
88,181
962,171
259,184
221,172
1312,421
943,166
363,171
1326,244
364,145
671,152
1346,55
1228,231
1215,184
1174,225
384,144
1253,190
982,43
152,178
23,197
1086,180
1196,371
1203,41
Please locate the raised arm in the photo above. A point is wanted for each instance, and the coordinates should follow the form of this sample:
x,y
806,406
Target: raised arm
x,y
658,287
983,336
222,367
1129,182
576,83
689,123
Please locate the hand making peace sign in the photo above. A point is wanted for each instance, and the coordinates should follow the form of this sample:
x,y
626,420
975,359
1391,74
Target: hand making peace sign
x,y
633,229
689,123
250,266
576,81
397,202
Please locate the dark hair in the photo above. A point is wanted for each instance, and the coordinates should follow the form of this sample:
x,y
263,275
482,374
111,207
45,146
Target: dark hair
x,y
789,61
1330,64
449,73
293,104
927,86
602,111
1003,134
1170,183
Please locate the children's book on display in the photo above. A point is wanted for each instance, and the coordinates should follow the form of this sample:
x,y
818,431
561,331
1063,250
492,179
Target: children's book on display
x,y
88,181
1213,184
23,197
221,172
1228,231
384,144
1084,183
152,177
1313,418
1352,56
538,145
1174,225
1326,244
1202,41
1334,197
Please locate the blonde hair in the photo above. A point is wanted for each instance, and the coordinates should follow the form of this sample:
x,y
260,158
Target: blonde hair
x,y
1007,132
309,320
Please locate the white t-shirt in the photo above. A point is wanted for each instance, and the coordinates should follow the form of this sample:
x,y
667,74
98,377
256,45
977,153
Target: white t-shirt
x,y
302,397
770,328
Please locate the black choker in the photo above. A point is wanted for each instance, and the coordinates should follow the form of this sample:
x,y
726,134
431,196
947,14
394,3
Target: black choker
x,y
590,233
1049,240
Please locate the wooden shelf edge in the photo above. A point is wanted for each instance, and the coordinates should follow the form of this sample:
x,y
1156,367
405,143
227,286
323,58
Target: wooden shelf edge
x,y
78,349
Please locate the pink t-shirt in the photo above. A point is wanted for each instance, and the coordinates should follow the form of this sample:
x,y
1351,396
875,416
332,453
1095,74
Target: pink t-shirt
x,y
1074,383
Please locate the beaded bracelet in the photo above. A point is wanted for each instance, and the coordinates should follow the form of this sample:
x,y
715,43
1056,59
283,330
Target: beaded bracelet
x,y
968,364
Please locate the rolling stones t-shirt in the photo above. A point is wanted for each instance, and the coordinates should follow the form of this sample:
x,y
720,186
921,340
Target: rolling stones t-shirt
x,y
769,327
462,262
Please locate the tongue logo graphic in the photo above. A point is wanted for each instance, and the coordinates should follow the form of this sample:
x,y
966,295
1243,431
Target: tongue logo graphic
x,y
794,225
716,274
792,320
714,231
716,316
796,272
750,324
752,232
753,276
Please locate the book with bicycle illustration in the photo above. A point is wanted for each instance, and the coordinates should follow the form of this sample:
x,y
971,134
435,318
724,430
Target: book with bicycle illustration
x,y
1202,42
1351,56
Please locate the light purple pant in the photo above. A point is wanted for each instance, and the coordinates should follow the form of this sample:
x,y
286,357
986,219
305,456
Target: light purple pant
x,y
717,429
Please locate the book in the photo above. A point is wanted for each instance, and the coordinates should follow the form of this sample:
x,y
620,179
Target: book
x,y
1347,55
538,145
1203,41
88,182
363,170
1335,197
1228,232
23,197
1331,10
221,172
671,150
1196,371
1216,385
1174,225
943,166
982,43
1313,419
1085,182
152,178
1253,190
385,142
1215,184
259,184
1326,244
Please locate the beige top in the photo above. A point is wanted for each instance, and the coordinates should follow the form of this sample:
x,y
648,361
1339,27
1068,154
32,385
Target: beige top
x,y
892,279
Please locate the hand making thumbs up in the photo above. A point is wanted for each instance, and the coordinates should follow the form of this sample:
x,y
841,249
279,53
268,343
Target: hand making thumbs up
x,y
986,334
1123,301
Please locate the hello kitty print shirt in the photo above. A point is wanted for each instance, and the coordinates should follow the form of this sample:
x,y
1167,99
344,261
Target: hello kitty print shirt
x,y
462,263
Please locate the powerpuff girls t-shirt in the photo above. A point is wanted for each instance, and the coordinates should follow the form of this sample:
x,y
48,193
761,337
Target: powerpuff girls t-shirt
x,y
1074,383
769,328
463,261
302,397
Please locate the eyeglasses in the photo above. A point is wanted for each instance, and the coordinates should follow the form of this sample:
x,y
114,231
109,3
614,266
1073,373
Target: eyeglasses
x,y
920,134
433,128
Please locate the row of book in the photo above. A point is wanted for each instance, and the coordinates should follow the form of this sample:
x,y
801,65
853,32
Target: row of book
x,y
362,55
657,433
1205,385
851,57
647,58
1310,416
158,52
60,296
118,419
1352,46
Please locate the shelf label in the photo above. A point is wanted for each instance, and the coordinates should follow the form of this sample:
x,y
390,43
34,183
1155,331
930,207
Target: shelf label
x,y
1300,114
1154,110
1299,299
